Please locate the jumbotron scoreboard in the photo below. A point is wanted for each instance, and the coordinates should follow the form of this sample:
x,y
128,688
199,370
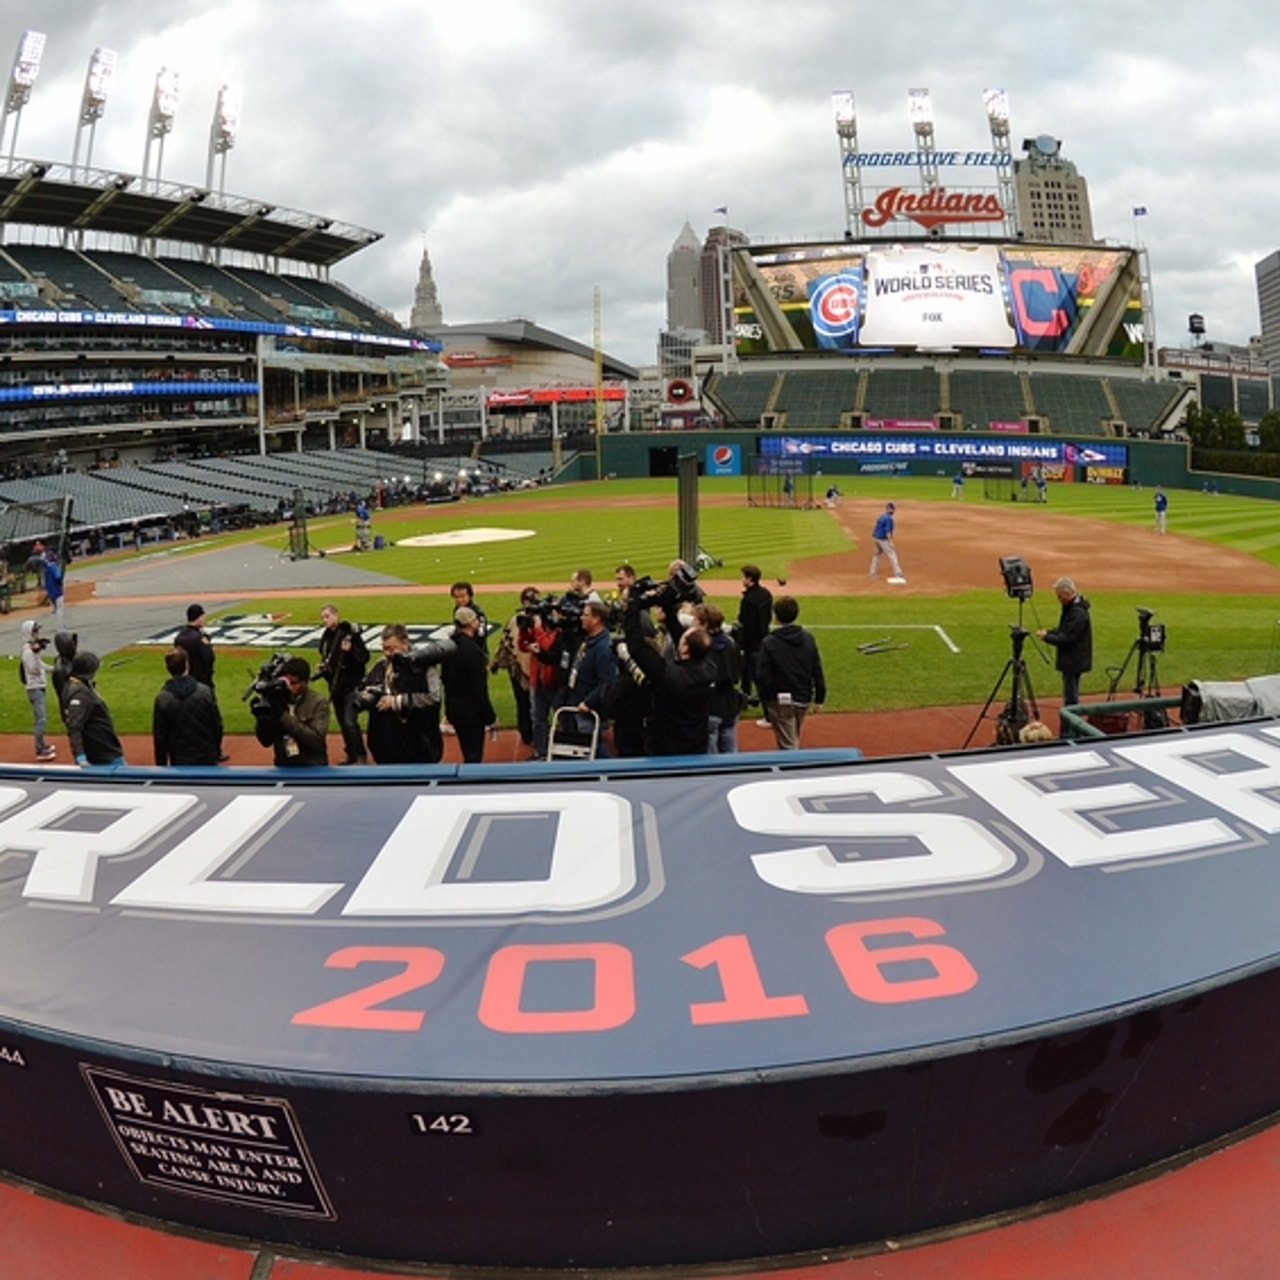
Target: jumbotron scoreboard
x,y
938,297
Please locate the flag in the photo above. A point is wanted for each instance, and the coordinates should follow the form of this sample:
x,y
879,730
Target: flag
x,y
1140,211
721,208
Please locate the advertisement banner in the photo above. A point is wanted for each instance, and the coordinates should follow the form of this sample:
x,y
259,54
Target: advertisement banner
x,y
724,460
949,447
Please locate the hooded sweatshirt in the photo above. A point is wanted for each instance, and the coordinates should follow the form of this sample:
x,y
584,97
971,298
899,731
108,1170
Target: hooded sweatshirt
x,y
790,663
186,725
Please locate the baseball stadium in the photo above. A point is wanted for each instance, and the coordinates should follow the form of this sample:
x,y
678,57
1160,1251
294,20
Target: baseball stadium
x,y
926,997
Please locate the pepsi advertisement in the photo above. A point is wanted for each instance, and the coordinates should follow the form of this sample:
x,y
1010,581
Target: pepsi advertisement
x,y
724,460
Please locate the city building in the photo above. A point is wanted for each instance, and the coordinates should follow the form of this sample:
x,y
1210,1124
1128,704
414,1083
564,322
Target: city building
x,y
1052,197
716,291
426,301
684,282
1267,273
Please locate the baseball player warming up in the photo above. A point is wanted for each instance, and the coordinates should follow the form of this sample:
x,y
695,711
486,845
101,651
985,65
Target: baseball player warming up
x,y
882,538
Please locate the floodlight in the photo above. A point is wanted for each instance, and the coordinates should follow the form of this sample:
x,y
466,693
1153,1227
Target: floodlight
x,y
842,101
164,104
226,116
996,102
97,81
26,64
920,106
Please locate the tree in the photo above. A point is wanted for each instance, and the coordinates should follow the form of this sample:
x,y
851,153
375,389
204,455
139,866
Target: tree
x,y
1269,431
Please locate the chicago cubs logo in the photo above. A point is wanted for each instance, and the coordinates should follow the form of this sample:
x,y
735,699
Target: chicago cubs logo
x,y
834,303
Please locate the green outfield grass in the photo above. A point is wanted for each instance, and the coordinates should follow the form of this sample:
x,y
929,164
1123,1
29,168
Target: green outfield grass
x,y
1210,637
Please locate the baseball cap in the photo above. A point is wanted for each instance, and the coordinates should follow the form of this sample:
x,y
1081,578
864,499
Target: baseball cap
x,y
463,616
890,507
194,611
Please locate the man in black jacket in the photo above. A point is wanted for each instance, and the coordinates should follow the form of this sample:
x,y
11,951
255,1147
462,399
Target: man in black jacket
x,y
186,726
199,651
343,659
93,735
1073,639
466,686
754,613
403,702
790,674
681,689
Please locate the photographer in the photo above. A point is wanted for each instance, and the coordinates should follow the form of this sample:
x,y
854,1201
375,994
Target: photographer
x,y
549,635
682,688
402,698
517,662
289,717
343,659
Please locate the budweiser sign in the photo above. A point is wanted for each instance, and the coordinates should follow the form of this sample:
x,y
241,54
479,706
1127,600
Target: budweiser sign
x,y
934,207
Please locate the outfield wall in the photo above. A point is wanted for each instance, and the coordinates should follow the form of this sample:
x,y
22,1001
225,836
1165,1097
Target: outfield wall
x,y
639,454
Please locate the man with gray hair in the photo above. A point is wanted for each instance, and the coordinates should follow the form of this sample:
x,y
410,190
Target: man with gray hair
x,y
1072,638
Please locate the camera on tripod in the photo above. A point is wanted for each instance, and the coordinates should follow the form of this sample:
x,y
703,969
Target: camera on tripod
x,y
1151,635
1017,577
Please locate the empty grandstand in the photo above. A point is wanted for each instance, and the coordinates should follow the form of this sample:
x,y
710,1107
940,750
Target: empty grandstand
x,y
176,321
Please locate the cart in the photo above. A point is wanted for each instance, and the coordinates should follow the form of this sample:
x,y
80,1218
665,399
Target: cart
x,y
574,734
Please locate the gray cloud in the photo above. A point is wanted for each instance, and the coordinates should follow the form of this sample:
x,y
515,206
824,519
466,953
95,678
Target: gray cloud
x,y
543,149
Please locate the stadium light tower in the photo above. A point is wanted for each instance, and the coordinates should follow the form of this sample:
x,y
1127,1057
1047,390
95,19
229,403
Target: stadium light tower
x,y
164,106
920,108
222,133
996,101
26,66
850,160
93,102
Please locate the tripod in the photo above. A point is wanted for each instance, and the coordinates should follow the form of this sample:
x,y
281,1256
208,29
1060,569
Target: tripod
x,y
1021,706
1149,643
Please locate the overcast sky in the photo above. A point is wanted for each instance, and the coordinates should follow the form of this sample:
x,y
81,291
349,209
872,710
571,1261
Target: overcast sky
x,y
542,147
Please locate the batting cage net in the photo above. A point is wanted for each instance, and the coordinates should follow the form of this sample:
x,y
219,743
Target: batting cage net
x,y
23,524
780,482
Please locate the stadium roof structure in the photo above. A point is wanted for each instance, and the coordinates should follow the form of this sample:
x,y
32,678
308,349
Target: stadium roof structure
x,y
521,332
38,193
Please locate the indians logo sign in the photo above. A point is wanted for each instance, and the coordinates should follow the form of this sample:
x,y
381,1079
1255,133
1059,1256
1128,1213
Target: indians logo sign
x,y
933,208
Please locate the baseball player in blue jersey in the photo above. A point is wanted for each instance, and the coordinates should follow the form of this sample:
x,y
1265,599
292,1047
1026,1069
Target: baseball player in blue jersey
x,y
882,538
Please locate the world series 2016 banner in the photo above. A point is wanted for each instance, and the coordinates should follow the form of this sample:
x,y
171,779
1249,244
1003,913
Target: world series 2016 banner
x,y
940,297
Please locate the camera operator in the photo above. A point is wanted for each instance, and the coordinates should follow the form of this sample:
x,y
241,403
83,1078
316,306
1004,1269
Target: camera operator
x,y
289,716
551,639
682,687
594,671
402,698
517,662
1073,639
343,659
465,673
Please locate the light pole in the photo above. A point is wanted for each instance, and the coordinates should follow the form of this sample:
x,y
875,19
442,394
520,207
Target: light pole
x,y
26,66
93,102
